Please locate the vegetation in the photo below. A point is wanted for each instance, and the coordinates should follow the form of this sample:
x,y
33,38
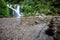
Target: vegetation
x,y
48,7
32,7
4,11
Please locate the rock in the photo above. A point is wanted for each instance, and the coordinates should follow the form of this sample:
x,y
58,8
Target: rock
x,y
25,28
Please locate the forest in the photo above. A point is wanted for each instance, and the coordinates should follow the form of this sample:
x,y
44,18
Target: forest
x,y
31,7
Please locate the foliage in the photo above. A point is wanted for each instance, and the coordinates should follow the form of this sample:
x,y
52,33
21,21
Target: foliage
x,y
3,9
30,7
42,6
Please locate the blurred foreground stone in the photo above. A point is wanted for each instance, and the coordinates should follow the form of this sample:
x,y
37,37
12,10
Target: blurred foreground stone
x,y
22,29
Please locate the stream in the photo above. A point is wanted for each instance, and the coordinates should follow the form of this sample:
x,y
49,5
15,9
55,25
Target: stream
x,y
15,11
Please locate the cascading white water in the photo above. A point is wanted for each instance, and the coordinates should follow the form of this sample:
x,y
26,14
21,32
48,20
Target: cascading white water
x,y
16,12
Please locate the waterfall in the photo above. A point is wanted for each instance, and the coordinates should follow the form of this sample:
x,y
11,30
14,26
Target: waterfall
x,y
16,12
